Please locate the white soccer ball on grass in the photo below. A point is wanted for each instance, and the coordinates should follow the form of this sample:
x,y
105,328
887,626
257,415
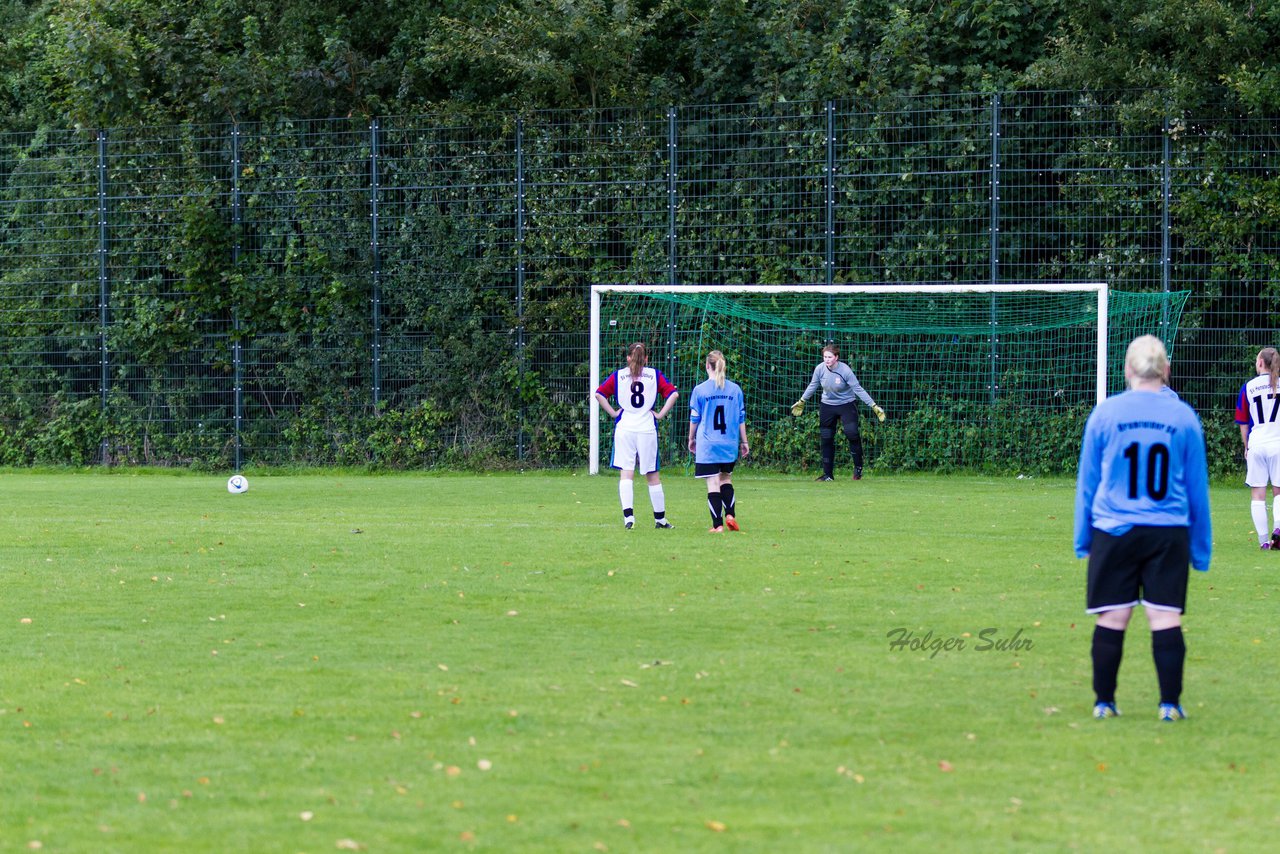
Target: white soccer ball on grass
x,y
237,484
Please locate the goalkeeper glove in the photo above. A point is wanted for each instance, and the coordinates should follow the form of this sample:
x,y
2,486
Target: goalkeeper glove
x,y
878,411
797,408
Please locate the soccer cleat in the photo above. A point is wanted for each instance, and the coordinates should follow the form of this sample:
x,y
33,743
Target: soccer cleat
x,y
718,529
1171,712
629,522
1266,547
731,523
857,473
1275,539
1102,711
824,478
662,523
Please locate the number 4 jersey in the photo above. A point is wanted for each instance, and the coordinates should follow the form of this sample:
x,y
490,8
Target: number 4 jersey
x,y
1142,462
717,414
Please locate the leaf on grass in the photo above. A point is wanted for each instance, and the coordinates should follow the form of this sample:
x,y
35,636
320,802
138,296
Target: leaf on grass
x,y
348,845
628,683
717,826
945,766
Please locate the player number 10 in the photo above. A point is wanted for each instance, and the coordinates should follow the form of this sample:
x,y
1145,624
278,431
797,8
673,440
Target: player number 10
x,y
1157,470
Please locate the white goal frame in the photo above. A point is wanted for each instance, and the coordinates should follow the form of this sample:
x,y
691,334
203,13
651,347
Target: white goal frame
x,y
1098,288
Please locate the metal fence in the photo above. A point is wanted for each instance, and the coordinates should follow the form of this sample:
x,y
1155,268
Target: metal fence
x,y
413,290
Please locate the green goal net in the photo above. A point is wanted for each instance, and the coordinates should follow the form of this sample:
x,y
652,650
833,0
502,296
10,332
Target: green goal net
x,y
995,377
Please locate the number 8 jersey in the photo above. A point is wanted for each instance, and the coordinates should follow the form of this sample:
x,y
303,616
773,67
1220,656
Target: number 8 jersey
x,y
1142,462
636,397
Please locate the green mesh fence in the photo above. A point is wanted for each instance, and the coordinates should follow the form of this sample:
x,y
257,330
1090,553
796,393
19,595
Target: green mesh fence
x,y
969,379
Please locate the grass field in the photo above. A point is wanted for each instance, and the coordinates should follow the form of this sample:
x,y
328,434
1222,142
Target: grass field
x,y
465,663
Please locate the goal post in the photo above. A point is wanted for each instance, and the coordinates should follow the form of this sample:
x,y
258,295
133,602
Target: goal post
x,y
938,357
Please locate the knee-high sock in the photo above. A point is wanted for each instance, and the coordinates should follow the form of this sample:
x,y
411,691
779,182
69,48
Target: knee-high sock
x,y
1275,511
726,496
627,495
1169,649
1108,648
658,500
1258,509
716,506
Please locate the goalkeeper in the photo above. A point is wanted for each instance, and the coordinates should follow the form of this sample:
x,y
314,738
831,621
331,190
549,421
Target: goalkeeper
x,y
840,393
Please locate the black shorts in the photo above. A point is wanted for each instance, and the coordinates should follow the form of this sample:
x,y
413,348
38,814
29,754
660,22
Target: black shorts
x,y
711,469
1148,565
844,414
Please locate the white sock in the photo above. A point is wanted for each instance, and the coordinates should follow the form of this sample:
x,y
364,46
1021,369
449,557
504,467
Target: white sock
x,y
1259,510
657,499
627,493
1275,511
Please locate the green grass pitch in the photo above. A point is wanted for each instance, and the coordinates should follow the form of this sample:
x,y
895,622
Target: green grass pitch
x,y
466,663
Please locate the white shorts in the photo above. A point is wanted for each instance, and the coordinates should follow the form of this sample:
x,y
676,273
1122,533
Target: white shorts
x,y
1262,465
631,448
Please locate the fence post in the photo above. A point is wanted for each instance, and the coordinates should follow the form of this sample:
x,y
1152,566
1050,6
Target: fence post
x,y
104,316
520,354
994,227
1166,198
671,195
376,260
830,263
237,357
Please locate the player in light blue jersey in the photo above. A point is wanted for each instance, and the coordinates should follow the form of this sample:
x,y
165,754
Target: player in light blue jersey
x,y
1142,514
717,430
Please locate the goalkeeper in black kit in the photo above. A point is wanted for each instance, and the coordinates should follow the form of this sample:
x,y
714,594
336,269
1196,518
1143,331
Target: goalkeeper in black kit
x,y
840,393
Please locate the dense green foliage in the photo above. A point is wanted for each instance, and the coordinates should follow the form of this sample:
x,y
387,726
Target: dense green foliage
x,y
530,153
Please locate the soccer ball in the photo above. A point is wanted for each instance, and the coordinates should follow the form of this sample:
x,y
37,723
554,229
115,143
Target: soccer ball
x,y
237,484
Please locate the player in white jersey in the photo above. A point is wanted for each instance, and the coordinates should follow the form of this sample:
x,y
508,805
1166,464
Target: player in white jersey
x,y
717,433
637,388
1258,414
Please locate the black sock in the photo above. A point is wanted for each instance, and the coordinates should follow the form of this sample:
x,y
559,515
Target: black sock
x,y
828,455
726,493
626,513
716,504
1169,649
1108,647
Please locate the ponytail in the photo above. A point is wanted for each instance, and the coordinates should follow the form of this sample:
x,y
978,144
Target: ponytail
x,y
1270,359
637,358
715,367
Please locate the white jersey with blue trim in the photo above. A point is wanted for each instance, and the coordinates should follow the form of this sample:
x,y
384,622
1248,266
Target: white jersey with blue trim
x,y
637,396
1258,407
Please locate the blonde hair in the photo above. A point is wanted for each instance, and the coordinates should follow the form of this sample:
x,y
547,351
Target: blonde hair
x,y
1270,359
1147,358
715,367
637,358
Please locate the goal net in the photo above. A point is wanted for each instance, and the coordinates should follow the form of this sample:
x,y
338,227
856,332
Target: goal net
x,y
970,376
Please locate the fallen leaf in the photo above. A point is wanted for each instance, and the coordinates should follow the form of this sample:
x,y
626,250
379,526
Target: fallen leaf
x,y
717,826
945,766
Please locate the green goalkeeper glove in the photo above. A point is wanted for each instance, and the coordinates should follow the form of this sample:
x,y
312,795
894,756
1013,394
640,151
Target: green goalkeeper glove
x,y
879,412
797,408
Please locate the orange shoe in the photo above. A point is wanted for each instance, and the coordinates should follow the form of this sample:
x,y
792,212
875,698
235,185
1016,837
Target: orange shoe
x,y
716,530
731,523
